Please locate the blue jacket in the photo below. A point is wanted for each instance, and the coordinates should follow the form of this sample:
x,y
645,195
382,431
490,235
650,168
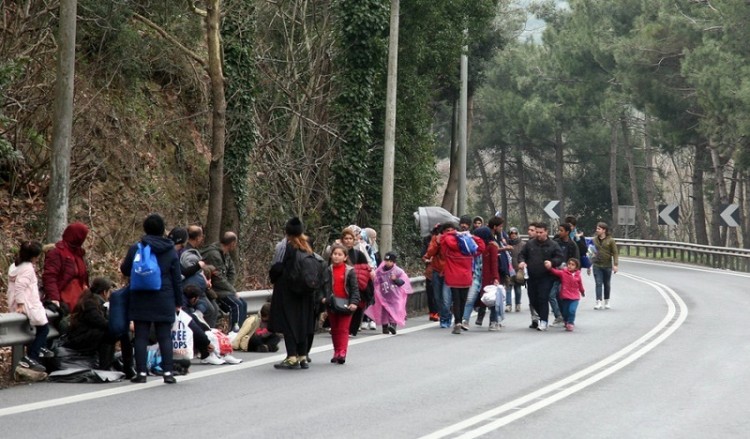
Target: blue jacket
x,y
156,306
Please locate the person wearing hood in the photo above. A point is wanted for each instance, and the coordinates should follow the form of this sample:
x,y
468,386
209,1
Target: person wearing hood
x,y
157,308
65,274
23,297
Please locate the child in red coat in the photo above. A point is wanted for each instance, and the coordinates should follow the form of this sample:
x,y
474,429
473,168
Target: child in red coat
x,y
571,290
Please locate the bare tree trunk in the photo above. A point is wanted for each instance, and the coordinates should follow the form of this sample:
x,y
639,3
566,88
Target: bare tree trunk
x,y
521,177
486,183
640,220
717,237
699,208
62,123
503,182
613,175
559,166
449,196
218,121
649,183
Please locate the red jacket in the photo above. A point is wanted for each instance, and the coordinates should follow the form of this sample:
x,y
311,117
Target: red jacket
x,y
65,263
490,272
458,267
434,254
571,284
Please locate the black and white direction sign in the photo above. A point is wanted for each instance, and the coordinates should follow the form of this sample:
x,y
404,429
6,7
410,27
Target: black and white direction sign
x,y
669,214
730,215
552,209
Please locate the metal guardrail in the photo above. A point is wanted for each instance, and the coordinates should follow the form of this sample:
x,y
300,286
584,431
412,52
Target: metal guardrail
x,y
16,331
737,259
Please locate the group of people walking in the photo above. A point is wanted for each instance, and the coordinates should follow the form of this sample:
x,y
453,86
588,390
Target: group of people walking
x,y
548,266
349,286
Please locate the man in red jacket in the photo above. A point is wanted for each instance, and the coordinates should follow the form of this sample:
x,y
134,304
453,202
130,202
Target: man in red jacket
x,y
458,269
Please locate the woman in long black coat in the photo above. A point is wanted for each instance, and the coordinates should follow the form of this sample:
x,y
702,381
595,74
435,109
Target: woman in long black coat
x,y
157,308
292,313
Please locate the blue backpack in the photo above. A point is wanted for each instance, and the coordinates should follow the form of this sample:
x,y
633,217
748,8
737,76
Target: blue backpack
x,y
145,274
466,244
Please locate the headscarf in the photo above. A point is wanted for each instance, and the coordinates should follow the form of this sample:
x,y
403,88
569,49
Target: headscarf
x,y
73,238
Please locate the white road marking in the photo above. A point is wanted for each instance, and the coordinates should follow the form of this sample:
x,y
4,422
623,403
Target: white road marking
x,y
217,370
683,266
486,422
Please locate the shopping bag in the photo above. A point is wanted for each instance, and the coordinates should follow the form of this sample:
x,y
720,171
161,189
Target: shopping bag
x,y
182,337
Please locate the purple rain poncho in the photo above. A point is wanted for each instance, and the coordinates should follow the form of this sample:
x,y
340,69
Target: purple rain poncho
x,y
390,299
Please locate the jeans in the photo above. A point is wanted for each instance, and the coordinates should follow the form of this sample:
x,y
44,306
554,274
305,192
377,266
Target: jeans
x,y
443,297
568,308
602,277
40,341
513,289
471,299
553,303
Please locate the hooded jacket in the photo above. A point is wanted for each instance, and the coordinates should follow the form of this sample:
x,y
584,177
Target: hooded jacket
x,y
23,288
223,283
458,267
156,306
64,263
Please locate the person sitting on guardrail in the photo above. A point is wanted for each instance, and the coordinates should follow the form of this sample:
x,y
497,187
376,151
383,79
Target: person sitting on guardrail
x,y
23,298
222,281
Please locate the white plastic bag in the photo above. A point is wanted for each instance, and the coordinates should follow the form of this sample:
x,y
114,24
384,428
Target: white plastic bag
x,y
492,295
182,337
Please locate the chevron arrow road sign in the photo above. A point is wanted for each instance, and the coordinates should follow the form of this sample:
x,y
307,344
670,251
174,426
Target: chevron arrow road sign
x,y
669,214
552,209
730,215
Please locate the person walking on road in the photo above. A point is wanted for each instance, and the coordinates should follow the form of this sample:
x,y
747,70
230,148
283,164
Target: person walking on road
x,y
340,282
533,258
605,263
459,274
571,290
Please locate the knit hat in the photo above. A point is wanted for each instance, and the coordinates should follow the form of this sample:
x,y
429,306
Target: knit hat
x,y
178,235
484,233
466,219
513,230
390,256
294,227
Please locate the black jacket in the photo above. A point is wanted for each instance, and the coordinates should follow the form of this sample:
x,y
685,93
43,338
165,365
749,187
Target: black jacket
x,y
535,252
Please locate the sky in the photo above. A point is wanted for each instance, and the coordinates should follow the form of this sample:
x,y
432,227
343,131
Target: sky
x,y
534,26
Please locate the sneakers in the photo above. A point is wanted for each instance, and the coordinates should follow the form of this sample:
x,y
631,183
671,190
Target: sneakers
x,y
508,308
598,304
46,353
456,330
434,317
542,326
213,359
363,326
518,308
557,321
169,378
287,364
392,329
229,359
372,325
569,327
32,364
494,326
465,325
534,324
606,304
139,379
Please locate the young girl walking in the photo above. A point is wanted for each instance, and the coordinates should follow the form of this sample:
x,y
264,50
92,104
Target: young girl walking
x,y
392,286
341,298
571,290
23,297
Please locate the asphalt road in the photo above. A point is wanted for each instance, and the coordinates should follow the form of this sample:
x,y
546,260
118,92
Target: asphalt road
x,y
669,360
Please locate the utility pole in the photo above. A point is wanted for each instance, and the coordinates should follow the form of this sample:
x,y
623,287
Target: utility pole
x,y
462,131
389,148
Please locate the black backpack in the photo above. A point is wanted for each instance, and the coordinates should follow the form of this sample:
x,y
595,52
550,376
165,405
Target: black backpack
x,y
306,273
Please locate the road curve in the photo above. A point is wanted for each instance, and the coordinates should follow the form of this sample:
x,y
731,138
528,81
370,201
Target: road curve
x,y
668,360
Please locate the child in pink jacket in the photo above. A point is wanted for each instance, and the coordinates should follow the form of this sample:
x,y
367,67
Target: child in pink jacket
x,y
571,290
23,298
